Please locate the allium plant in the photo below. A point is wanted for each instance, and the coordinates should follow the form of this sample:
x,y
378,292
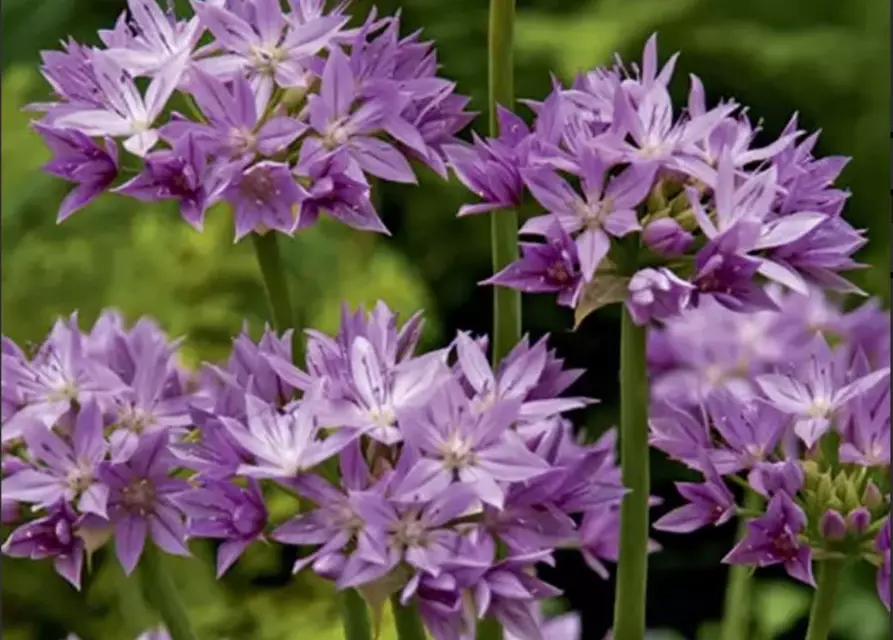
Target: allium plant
x,y
765,403
439,480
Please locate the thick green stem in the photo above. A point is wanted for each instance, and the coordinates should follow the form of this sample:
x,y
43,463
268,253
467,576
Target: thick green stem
x,y
355,616
823,601
272,270
407,620
504,224
159,591
736,614
632,564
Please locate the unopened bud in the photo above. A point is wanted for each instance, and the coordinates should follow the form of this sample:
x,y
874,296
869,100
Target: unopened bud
x,y
832,526
665,236
872,496
858,520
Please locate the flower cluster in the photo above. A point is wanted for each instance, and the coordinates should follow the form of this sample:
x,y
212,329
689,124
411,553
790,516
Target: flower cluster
x,y
288,114
87,424
656,209
429,477
763,401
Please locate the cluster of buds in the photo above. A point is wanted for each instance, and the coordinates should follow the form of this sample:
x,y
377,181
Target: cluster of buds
x,y
658,210
287,114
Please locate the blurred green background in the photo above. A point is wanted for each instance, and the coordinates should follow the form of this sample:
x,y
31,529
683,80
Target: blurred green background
x,y
826,59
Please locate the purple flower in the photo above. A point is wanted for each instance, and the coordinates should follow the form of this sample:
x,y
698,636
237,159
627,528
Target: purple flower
x,y
335,522
750,431
150,40
729,279
395,533
141,501
773,539
865,441
508,593
264,196
666,237
79,159
73,79
182,174
832,526
148,405
219,509
127,112
517,375
234,127
69,468
337,187
708,503
58,375
283,445
491,168
380,391
457,443
657,294
553,267
816,396
769,478
53,536
263,43
607,208
330,116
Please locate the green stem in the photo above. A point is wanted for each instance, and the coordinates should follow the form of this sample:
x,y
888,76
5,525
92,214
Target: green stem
x,y
272,270
159,591
489,629
355,616
823,601
504,224
632,564
736,616
408,621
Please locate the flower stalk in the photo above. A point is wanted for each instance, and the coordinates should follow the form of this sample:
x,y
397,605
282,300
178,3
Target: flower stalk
x,y
822,613
736,616
269,258
159,591
504,223
632,567
408,621
354,616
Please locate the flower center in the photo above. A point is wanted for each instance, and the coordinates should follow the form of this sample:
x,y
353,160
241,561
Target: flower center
x,y
557,273
457,452
336,135
265,58
257,186
139,497
240,142
80,478
410,532
785,545
820,408
382,417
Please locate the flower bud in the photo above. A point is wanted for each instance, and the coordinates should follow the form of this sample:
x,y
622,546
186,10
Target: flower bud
x,y
666,237
768,478
832,526
858,520
872,496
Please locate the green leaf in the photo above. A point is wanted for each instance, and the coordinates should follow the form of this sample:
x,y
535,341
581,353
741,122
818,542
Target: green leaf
x,y
778,606
605,289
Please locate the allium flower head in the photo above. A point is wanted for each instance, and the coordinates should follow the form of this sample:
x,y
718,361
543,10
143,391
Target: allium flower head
x,y
641,187
288,112
804,427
